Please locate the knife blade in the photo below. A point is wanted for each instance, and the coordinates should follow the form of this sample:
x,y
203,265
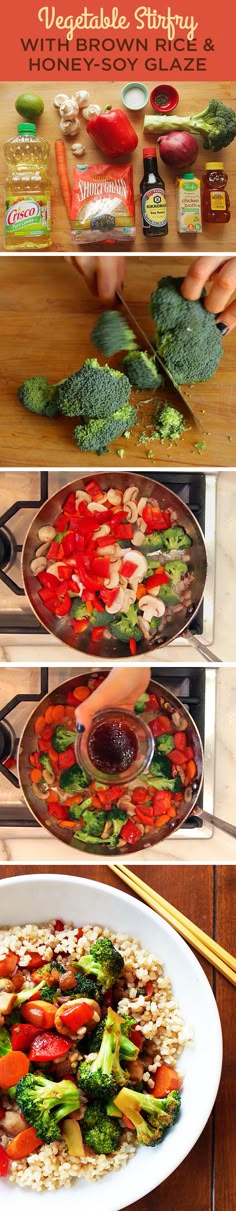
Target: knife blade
x,y
153,351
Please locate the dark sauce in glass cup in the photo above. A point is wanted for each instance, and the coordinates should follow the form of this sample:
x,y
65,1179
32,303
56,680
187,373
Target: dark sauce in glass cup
x,y
119,744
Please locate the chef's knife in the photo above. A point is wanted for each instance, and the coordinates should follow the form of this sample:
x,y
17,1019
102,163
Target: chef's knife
x,y
153,351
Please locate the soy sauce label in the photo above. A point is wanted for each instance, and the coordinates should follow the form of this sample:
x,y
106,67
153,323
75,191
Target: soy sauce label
x,y
154,209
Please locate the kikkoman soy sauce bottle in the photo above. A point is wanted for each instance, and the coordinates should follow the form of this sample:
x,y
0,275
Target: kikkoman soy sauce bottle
x,y
153,198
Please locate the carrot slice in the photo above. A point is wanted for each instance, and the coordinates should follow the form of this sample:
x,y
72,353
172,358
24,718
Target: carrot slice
x,y
36,774
161,820
81,692
13,1066
166,1080
60,153
39,724
58,713
23,1144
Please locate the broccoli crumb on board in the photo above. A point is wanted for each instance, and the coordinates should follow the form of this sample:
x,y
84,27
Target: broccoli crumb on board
x,y
200,447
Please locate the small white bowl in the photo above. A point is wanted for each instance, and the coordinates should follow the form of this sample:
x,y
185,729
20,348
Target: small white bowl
x,y
37,898
127,96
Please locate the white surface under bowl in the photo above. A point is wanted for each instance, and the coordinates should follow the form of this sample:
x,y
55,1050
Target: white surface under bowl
x,y
37,898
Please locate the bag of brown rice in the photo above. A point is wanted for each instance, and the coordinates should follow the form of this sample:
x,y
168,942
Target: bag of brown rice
x,y
102,207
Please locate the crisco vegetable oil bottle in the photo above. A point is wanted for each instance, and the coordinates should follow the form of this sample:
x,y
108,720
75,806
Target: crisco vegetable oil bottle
x,y
27,191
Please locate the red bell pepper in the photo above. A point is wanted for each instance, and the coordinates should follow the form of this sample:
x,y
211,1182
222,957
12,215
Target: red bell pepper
x,y
144,813
77,1016
59,810
136,1037
66,759
141,794
100,566
156,519
130,832
159,577
160,725
133,647
113,133
7,965
4,1162
97,634
180,740
61,523
55,551
69,504
176,757
128,568
48,1047
94,490
161,802
22,1035
124,530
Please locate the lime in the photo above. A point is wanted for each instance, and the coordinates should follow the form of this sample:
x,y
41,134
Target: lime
x,y
29,105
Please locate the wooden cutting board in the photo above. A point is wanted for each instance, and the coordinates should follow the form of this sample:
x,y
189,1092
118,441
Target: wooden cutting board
x,y
46,318
194,97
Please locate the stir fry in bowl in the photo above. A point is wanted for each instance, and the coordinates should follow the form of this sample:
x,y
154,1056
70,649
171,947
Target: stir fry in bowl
x,y
118,569
90,1036
110,818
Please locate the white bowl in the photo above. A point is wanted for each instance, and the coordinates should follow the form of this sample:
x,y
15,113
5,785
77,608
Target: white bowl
x,y
37,898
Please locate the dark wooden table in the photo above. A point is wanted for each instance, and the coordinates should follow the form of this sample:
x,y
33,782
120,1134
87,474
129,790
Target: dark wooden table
x,y
207,1178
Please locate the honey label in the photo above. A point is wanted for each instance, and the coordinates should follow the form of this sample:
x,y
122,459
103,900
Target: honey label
x,y
218,199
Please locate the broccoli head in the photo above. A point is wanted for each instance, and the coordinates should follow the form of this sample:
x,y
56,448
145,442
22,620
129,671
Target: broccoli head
x,y
89,988
126,627
169,425
99,1132
150,1116
38,396
97,434
43,1103
100,1078
164,743
216,124
63,737
128,1050
93,822
104,962
176,569
142,371
112,334
73,779
175,539
187,336
100,391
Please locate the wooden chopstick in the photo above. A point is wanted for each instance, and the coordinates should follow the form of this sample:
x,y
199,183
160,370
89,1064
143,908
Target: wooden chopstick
x,y
220,958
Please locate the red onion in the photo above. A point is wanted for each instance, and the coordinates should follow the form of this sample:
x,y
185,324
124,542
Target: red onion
x,y
178,149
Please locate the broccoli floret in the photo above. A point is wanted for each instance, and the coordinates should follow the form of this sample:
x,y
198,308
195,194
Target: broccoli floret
x,y
79,610
126,627
49,993
104,962
164,743
112,334
99,1132
161,1113
176,569
187,336
98,434
117,816
216,124
168,595
101,1077
73,779
142,371
155,542
159,773
169,425
43,1103
128,1050
93,821
100,391
141,703
175,539
46,763
89,988
63,737
37,395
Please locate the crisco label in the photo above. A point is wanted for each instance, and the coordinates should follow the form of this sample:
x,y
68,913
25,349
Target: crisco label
x,y
154,207
27,215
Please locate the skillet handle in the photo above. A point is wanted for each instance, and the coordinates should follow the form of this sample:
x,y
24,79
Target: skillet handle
x,y
216,822
201,647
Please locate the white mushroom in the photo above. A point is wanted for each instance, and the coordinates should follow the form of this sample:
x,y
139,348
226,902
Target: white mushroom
x,y
78,149
132,512
141,565
82,496
137,540
142,526
38,565
46,533
129,598
59,100
114,496
69,108
109,550
91,111
151,607
42,549
118,604
70,126
103,531
114,580
145,628
130,494
53,567
96,507
82,97
141,504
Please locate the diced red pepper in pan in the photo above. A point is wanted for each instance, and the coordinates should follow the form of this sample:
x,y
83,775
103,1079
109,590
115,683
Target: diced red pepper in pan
x,y
160,725
133,647
156,519
66,759
69,504
128,568
130,832
97,634
159,577
100,566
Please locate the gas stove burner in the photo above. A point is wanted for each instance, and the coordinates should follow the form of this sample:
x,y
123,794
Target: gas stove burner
x,y
7,739
7,548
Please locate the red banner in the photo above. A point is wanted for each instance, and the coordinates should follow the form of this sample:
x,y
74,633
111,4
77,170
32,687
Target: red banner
x,y
63,41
